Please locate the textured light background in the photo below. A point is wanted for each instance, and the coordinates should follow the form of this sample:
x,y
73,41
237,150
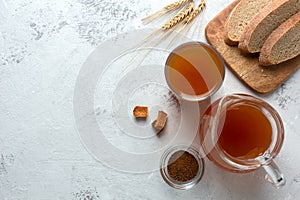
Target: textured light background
x,y
43,45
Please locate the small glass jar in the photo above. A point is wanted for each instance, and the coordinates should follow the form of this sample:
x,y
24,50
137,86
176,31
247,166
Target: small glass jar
x,y
164,162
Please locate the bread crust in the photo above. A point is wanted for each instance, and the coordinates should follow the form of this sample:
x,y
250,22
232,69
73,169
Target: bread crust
x,y
276,35
227,39
229,22
250,29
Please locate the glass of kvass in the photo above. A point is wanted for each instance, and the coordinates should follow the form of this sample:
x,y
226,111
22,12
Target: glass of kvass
x,y
194,71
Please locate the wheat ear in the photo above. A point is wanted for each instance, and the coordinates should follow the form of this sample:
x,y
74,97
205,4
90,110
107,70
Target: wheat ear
x,y
187,25
187,21
173,6
176,5
179,17
195,12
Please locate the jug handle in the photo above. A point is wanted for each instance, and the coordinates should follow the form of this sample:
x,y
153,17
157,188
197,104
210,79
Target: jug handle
x,y
274,175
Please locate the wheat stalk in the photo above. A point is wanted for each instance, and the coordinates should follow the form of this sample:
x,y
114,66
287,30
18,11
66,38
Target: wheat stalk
x,y
179,17
173,6
195,12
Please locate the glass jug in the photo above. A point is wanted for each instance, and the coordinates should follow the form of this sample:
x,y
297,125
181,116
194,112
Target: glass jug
x,y
241,133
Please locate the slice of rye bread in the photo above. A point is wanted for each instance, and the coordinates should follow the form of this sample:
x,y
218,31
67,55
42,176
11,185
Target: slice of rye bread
x,y
265,22
283,44
239,18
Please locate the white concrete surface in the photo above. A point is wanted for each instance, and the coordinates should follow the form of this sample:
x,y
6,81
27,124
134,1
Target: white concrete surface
x,y
43,45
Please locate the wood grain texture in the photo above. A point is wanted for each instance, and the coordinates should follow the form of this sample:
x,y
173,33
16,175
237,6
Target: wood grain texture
x,y
245,66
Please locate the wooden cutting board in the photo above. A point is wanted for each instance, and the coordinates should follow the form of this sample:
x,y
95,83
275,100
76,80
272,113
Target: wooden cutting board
x,y
246,67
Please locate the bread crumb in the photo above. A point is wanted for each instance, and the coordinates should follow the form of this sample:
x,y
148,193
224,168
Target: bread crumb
x,y
140,111
160,122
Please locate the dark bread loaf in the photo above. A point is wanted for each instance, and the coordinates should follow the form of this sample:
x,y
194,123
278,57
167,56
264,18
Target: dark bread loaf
x,y
283,43
265,22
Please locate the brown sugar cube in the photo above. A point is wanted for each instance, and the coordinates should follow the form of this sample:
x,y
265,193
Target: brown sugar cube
x,y
160,122
140,111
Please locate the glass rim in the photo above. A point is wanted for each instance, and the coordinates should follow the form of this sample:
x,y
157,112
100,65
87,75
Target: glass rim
x,y
210,92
